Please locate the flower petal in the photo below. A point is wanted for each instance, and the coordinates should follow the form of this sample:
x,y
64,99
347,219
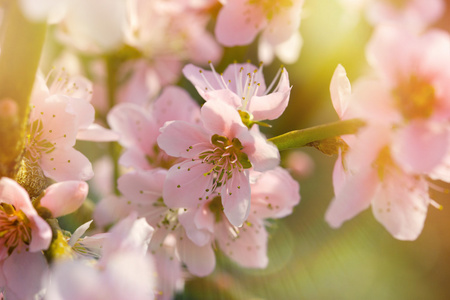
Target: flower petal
x,y
187,184
64,197
26,274
238,23
236,198
66,164
420,146
352,198
221,118
401,206
200,261
274,194
249,247
183,139
262,154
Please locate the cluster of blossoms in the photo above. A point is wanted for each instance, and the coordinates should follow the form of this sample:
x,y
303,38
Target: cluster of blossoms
x,y
189,181
183,181
404,148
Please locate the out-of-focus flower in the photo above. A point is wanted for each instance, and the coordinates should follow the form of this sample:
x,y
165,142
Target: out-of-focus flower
x,y
123,271
299,164
139,127
21,227
24,234
415,15
243,86
239,22
60,114
218,156
406,138
412,94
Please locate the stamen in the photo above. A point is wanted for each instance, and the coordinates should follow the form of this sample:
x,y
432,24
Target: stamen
x,y
222,85
275,79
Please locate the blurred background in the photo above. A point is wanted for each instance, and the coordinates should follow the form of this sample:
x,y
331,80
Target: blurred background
x,y
308,259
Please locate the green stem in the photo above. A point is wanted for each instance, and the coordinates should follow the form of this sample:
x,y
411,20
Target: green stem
x,y
21,51
301,138
112,66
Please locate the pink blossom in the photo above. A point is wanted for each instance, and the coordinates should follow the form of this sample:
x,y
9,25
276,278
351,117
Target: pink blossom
x,y
123,271
414,72
144,189
299,164
243,86
373,172
399,200
239,22
25,234
273,195
138,127
412,14
59,114
23,229
218,157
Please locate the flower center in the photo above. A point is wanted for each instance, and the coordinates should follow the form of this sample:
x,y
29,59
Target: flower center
x,y
415,98
14,228
36,144
226,158
271,7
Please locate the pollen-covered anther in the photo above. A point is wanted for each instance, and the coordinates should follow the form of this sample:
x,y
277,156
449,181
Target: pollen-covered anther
x,y
15,230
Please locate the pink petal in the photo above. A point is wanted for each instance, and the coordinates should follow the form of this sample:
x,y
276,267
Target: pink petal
x,y
274,194
420,146
145,187
186,184
59,126
97,133
135,126
183,139
236,198
64,197
262,154
289,50
340,91
372,100
220,118
134,158
13,193
203,218
203,80
176,104
238,23
41,233
130,234
200,261
84,111
236,75
198,236
110,210
26,274
269,107
401,206
352,198
284,23
249,247
66,164
226,96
